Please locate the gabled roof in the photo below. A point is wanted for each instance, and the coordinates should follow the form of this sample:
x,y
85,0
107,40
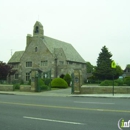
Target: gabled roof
x,y
70,52
16,57
37,22
128,66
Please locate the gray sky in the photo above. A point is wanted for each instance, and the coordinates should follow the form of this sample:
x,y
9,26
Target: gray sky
x,y
87,24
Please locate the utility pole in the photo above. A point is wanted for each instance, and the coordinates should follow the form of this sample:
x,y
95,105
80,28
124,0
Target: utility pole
x,y
113,66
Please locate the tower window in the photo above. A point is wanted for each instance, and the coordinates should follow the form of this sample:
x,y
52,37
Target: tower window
x,y
35,49
37,29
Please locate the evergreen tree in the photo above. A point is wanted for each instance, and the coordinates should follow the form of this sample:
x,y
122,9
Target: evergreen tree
x,y
103,70
118,72
67,78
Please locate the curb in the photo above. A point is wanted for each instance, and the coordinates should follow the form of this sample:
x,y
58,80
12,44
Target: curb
x,y
96,96
7,93
65,95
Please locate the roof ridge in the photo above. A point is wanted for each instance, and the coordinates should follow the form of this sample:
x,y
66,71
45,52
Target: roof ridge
x,y
57,40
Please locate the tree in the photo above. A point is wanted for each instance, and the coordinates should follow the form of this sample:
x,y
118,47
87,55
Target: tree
x,y
89,67
103,69
67,78
5,69
117,72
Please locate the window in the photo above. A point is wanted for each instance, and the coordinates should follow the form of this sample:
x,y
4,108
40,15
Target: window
x,y
35,49
70,62
36,29
44,63
16,76
29,64
27,76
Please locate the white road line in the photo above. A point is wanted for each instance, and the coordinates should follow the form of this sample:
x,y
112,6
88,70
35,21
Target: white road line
x,y
99,109
50,120
95,103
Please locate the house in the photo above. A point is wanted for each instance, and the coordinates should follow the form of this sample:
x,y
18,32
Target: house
x,y
45,54
127,71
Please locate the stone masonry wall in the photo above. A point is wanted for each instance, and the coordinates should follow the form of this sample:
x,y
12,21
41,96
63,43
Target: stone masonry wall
x,y
105,90
6,87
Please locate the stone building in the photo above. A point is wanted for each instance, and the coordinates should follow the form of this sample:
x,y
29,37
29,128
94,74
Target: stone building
x,y
46,54
126,72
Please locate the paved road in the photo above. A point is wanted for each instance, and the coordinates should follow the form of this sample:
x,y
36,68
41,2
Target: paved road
x,y
19,112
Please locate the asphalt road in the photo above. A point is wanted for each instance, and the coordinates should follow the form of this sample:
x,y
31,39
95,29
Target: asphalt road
x,y
19,112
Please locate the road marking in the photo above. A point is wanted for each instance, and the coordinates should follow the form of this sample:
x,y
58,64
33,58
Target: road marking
x,y
50,120
65,107
95,103
99,109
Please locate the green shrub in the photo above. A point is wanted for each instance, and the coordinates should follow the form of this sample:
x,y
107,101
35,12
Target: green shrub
x,y
40,82
42,85
16,86
21,82
29,82
59,83
47,81
127,81
108,83
2,81
67,78
120,82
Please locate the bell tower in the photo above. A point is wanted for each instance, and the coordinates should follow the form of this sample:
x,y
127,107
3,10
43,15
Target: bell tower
x,y
38,30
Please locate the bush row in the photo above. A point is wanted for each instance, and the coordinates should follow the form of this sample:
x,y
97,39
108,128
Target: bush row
x,y
118,82
46,84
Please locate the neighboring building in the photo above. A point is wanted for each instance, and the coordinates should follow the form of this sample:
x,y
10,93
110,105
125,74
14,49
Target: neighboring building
x,y
46,54
127,71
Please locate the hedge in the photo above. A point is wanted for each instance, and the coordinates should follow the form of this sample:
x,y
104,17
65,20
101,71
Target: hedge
x,y
59,83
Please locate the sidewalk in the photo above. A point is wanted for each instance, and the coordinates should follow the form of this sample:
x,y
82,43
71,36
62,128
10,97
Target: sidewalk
x,y
64,93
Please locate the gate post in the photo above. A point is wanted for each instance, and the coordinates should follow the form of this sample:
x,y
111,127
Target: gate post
x,y
34,80
76,81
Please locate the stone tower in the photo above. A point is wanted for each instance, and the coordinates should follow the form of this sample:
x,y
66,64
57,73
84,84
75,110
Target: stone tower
x,y
38,30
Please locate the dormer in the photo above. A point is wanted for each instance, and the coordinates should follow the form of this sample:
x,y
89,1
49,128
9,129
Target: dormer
x,y
38,30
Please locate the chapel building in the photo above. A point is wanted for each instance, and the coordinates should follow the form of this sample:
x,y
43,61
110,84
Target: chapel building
x,y
45,54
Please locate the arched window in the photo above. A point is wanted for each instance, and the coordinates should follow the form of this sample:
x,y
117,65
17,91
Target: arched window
x,y
36,29
35,49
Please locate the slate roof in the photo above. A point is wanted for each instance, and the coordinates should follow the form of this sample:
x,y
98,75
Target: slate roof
x,y
70,52
16,57
128,66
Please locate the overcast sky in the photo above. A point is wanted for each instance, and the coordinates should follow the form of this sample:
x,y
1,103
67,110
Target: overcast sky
x,y
87,24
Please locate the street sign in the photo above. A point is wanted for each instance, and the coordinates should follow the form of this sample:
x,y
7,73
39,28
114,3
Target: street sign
x,y
113,64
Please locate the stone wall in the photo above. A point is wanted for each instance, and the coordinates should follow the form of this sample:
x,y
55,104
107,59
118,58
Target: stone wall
x,y
25,88
4,87
105,90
